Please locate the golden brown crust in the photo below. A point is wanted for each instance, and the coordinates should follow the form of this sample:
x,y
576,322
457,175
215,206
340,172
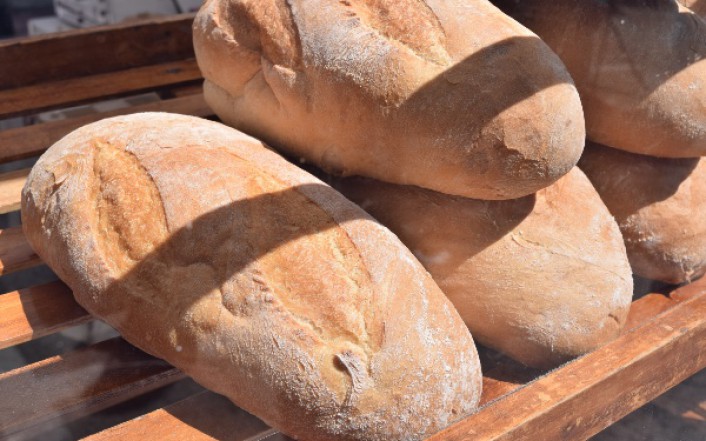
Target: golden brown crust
x,y
448,95
206,249
660,205
543,278
639,66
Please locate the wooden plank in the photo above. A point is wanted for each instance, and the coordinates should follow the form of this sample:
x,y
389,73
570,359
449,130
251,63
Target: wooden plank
x,y
646,308
33,140
93,51
502,375
15,252
42,96
84,381
204,416
499,383
688,291
587,395
34,312
11,184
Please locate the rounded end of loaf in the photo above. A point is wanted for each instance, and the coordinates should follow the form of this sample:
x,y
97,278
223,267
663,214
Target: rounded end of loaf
x,y
543,279
638,68
493,117
659,204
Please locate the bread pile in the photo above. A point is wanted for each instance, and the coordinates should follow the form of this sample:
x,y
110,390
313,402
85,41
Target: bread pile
x,y
640,70
470,108
542,279
451,123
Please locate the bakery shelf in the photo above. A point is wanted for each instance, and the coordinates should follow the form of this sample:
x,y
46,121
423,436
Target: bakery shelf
x,y
664,342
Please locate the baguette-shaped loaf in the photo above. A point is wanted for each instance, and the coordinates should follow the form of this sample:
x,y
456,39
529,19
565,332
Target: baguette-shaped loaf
x,y
449,95
206,249
660,205
543,278
639,66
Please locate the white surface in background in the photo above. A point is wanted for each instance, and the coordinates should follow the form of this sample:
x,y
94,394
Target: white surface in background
x,y
84,13
46,25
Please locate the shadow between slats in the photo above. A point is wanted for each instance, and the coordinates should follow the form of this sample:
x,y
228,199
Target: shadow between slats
x,y
84,381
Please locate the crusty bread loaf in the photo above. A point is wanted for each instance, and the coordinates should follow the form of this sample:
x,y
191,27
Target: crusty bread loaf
x,y
639,66
449,95
543,278
262,283
660,205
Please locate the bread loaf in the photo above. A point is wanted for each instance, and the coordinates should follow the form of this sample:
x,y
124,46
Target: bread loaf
x,y
449,95
262,283
543,278
660,205
639,66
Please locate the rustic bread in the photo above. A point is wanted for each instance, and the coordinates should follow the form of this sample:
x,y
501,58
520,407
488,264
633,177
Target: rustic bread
x,y
449,95
262,283
660,205
639,66
543,278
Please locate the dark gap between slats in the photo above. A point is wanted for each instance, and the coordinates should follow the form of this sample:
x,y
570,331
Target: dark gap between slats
x,y
120,413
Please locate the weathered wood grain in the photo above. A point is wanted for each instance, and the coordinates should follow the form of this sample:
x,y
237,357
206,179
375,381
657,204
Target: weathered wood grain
x,y
31,60
24,142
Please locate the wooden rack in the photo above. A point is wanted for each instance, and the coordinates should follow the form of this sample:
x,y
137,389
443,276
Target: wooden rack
x,y
663,344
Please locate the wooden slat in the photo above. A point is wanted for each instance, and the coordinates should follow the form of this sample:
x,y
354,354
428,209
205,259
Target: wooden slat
x,y
205,416
78,53
34,312
33,140
31,99
645,308
15,252
84,381
11,184
587,395
503,380
686,292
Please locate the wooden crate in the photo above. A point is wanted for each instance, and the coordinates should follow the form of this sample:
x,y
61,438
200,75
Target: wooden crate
x,y
663,344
